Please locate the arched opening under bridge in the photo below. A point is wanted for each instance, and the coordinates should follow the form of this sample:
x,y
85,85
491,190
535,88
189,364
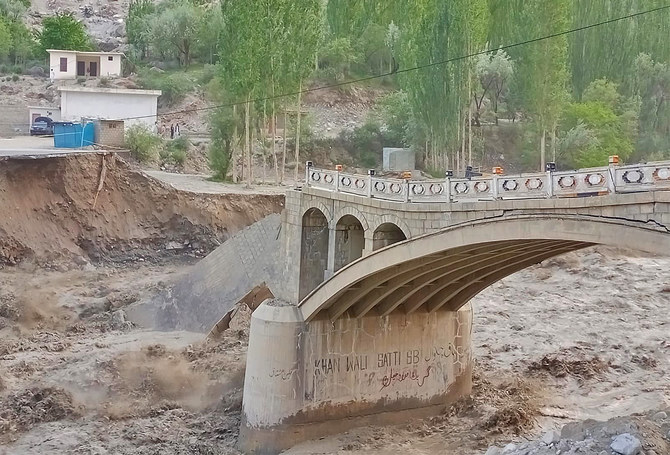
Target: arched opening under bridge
x,y
387,234
349,241
313,250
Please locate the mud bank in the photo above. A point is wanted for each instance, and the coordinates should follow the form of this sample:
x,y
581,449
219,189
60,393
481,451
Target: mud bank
x,y
100,209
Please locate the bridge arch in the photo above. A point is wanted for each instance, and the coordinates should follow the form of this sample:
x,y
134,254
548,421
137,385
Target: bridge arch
x,y
445,269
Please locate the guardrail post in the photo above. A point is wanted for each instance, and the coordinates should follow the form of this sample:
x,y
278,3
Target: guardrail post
x,y
611,179
337,181
494,190
550,184
406,190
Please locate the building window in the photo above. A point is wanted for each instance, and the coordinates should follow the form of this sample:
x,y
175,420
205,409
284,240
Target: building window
x,y
110,58
63,64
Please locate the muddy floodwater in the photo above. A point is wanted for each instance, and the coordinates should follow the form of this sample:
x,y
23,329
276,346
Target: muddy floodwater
x,y
582,336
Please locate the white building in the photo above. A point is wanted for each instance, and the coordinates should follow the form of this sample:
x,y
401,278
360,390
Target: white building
x,y
91,103
74,64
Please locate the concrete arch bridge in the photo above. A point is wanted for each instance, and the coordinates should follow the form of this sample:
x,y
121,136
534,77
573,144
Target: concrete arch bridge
x,y
372,323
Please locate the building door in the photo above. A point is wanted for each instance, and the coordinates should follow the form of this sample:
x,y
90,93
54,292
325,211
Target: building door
x,y
33,119
93,66
81,68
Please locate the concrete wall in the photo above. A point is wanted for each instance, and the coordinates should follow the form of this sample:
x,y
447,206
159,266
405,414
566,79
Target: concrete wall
x,y
54,65
112,104
39,111
398,159
214,285
110,68
322,378
13,120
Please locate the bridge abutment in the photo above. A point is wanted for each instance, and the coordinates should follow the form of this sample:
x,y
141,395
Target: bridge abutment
x,y
308,379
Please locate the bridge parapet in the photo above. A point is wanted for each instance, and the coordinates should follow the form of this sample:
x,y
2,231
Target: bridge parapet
x,y
582,182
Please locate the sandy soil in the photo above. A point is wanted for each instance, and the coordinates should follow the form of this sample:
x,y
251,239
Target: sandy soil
x,y
94,211
581,336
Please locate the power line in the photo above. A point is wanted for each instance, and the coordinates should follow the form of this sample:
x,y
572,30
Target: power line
x,y
414,68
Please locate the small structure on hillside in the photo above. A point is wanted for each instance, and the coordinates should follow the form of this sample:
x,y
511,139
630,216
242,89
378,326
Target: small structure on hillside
x,y
73,64
109,133
43,111
398,159
96,103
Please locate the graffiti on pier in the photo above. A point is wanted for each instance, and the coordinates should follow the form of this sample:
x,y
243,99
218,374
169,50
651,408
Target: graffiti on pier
x,y
394,377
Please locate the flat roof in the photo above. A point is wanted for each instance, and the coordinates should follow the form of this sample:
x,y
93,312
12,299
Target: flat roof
x,y
84,52
117,91
44,107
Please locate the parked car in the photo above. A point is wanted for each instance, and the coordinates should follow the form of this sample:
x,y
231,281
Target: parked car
x,y
42,126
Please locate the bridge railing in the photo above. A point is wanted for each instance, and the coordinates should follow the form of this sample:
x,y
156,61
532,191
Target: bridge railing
x,y
582,182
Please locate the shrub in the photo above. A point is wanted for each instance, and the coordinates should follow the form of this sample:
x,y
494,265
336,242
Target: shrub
x,y
175,151
104,82
208,73
364,143
179,156
173,86
15,78
144,146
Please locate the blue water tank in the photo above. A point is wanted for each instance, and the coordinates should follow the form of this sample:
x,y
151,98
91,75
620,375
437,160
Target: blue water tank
x,y
73,135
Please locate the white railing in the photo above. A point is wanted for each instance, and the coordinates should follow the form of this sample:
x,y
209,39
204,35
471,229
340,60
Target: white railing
x,y
582,182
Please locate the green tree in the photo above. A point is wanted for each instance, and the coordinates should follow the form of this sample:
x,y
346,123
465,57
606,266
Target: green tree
x,y
5,40
63,31
208,35
652,89
138,25
597,127
13,10
543,68
223,125
22,42
494,72
174,30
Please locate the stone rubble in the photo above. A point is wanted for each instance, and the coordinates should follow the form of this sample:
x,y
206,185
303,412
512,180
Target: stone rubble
x,y
646,434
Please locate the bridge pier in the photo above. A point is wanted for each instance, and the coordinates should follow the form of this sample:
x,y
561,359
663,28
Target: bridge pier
x,y
308,379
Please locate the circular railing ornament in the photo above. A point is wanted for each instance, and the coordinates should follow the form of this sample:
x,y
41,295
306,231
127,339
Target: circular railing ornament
x,y
567,181
395,188
380,186
346,181
360,184
510,185
328,178
634,176
315,176
481,187
418,189
461,188
662,173
436,188
594,179
534,184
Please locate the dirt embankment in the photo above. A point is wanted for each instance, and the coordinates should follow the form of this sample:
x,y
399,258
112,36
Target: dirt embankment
x,y
51,210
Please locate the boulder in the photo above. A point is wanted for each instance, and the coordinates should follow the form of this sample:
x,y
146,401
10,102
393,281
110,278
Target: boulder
x,y
626,444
